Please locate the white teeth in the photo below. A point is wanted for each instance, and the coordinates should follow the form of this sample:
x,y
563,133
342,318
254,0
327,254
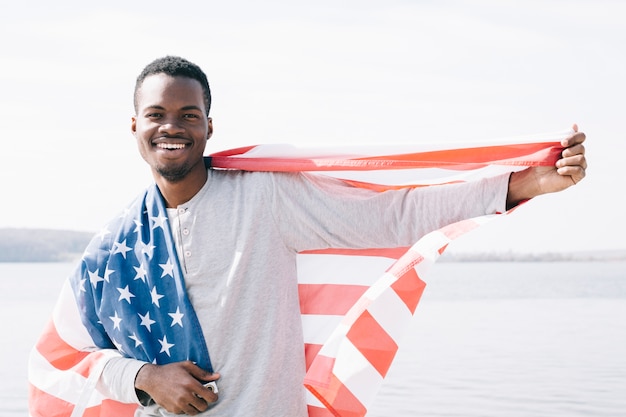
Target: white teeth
x,y
170,145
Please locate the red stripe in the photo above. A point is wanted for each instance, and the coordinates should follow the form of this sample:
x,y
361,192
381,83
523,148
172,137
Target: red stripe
x,y
328,299
42,404
58,353
310,353
393,253
409,288
528,154
545,153
320,371
406,263
368,336
382,188
111,408
319,412
460,228
337,398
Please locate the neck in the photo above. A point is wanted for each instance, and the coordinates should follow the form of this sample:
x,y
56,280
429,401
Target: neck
x,y
180,192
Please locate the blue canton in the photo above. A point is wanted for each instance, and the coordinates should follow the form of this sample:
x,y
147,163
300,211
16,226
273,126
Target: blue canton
x,y
131,292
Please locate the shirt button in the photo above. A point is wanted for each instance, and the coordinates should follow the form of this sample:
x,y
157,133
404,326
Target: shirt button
x,y
181,210
187,254
186,232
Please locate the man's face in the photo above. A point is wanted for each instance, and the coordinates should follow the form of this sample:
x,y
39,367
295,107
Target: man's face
x,y
171,126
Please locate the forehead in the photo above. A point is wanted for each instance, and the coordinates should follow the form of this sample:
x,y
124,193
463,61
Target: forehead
x,y
163,90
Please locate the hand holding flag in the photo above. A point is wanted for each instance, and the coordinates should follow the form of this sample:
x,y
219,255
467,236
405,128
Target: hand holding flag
x,y
568,171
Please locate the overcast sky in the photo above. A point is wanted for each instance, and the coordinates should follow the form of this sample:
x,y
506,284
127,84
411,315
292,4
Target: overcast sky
x,y
323,72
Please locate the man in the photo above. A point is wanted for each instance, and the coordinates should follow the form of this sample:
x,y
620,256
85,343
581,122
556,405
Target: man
x,y
236,236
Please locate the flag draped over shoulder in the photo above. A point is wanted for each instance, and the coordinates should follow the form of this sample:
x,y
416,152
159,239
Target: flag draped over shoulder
x,y
355,304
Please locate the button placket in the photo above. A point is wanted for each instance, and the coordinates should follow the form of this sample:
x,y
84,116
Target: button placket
x,y
184,216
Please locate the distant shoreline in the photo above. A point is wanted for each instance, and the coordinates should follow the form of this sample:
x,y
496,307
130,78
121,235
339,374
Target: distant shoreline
x,y
49,245
586,256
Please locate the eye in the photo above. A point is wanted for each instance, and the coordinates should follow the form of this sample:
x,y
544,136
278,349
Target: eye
x,y
190,116
154,115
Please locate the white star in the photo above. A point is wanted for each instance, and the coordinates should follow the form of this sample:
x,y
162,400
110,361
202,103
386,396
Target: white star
x,y
159,221
156,297
136,339
165,347
120,247
138,225
95,278
107,273
118,345
168,269
146,321
147,249
141,272
103,233
177,318
82,285
116,321
125,294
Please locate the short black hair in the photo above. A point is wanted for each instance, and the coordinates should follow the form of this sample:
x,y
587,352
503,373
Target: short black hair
x,y
175,66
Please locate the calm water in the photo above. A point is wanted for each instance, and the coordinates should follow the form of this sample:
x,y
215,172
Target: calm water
x,y
489,339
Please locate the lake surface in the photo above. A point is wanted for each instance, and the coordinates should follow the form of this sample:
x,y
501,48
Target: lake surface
x,y
488,339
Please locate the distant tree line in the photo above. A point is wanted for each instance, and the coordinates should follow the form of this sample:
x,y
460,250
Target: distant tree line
x,y
47,245
42,245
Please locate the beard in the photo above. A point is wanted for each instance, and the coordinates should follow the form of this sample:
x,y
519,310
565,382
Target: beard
x,y
174,173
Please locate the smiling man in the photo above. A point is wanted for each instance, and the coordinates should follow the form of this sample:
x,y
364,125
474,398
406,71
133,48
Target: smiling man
x,y
172,126
196,284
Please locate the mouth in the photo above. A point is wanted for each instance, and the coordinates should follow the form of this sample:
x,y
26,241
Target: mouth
x,y
171,144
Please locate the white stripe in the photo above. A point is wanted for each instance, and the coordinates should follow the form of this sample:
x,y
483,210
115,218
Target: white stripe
x,y
421,176
66,385
317,328
429,245
312,400
89,388
66,317
391,313
290,151
332,345
356,373
340,269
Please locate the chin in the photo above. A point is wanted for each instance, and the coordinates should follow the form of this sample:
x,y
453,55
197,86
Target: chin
x,y
173,174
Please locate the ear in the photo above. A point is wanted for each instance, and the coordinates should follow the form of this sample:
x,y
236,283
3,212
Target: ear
x,y
133,125
209,128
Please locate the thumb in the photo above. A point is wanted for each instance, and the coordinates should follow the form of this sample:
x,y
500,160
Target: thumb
x,y
201,374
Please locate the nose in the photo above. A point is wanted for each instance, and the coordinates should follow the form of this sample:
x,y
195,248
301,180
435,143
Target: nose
x,y
171,128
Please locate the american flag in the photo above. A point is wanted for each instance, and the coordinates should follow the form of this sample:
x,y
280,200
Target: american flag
x,y
127,297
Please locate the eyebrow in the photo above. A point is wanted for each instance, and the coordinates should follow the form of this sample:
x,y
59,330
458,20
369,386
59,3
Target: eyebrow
x,y
192,107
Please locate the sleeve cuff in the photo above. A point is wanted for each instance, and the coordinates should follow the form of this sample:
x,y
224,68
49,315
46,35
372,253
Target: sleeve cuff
x,y
118,381
500,189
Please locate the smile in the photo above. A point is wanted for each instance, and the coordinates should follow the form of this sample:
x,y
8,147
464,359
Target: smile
x,y
170,145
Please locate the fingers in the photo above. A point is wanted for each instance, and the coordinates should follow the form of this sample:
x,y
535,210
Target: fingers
x,y
573,162
199,373
177,387
195,400
575,139
576,173
577,159
573,150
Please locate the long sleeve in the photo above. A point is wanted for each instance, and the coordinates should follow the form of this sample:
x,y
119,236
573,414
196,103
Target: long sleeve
x,y
315,212
118,379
